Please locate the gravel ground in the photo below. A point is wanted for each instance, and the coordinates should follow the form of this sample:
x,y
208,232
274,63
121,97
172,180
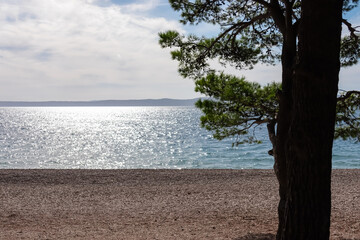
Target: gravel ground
x,y
157,204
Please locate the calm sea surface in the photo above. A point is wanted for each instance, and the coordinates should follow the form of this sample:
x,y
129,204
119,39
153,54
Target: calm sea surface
x,y
129,137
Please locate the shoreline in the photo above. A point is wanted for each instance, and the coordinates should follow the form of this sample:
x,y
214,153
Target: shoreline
x,y
157,204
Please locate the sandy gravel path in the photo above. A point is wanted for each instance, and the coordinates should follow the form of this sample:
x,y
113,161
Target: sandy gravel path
x,y
157,204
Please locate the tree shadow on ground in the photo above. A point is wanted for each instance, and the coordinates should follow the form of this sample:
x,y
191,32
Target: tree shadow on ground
x,y
260,236
268,236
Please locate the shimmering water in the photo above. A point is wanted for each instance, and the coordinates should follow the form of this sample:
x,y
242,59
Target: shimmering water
x,y
129,137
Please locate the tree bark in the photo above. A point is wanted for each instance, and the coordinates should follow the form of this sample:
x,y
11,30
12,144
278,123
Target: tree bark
x,y
288,60
308,141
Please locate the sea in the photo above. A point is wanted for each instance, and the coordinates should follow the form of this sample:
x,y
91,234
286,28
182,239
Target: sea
x,y
130,138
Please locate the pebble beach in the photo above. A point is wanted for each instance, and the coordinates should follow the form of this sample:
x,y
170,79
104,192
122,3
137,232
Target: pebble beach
x,y
157,204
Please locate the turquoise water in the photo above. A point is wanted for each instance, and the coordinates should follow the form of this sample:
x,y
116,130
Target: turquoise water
x,y
129,137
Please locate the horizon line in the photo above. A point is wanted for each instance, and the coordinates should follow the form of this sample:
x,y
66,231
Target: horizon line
x,y
128,102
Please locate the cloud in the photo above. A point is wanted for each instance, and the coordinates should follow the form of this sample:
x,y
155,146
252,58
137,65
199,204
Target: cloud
x,y
349,78
141,6
48,46
99,49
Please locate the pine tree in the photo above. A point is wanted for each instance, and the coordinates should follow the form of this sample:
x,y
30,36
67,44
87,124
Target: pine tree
x,y
308,32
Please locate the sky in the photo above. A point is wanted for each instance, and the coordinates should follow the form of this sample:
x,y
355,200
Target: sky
x,y
80,50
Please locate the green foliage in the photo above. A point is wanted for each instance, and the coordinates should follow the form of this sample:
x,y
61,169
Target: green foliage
x,y
349,5
350,51
235,106
247,36
193,52
348,116
251,32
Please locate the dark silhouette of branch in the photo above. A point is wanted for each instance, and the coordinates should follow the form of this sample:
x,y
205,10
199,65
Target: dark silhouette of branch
x,y
262,2
239,26
347,95
351,29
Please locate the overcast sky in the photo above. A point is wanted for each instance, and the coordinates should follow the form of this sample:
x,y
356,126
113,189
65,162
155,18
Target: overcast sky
x,y
101,49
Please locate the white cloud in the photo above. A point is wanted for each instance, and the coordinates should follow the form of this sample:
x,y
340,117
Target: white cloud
x,y
141,6
94,49
78,50
349,78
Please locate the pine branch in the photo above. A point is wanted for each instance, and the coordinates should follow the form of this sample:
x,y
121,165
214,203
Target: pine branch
x,y
239,27
351,29
264,3
347,95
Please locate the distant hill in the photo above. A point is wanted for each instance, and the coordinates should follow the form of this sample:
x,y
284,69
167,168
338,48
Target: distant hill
x,y
103,103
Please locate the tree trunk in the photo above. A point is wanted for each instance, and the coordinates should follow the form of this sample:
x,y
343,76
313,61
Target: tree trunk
x,y
308,148
288,60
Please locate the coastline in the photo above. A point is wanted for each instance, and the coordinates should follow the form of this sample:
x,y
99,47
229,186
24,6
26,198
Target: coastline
x,y
157,204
